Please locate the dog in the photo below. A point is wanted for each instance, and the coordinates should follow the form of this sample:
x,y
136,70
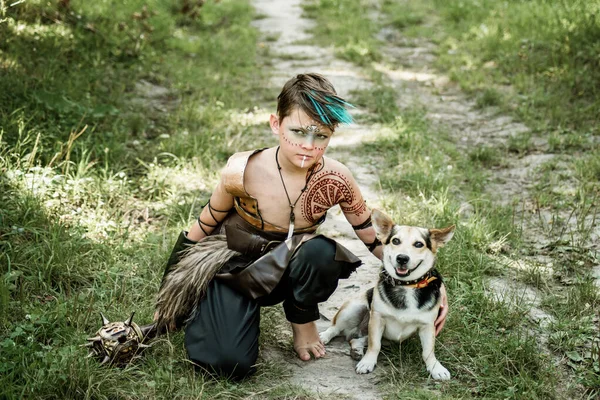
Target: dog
x,y
405,300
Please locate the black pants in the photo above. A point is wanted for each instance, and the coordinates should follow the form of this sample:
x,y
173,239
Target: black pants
x,y
223,336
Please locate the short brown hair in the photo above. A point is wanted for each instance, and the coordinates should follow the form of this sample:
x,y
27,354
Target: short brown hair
x,y
316,96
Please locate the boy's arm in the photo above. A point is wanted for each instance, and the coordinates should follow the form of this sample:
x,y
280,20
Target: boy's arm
x,y
215,211
367,235
358,215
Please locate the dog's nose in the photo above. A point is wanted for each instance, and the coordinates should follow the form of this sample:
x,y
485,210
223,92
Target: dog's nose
x,y
402,259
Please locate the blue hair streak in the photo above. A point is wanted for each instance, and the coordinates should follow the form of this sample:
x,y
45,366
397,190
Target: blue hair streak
x,y
339,100
334,109
324,118
340,113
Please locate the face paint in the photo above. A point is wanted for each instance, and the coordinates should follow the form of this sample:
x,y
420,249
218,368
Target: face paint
x,y
311,135
303,140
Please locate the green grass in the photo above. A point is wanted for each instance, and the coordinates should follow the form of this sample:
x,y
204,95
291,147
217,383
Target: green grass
x,y
488,98
115,118
92,64
380,101
520,143
97,178
488,157
545,50
344,25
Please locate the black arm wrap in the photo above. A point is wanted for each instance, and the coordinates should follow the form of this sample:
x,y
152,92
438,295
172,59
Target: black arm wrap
x,y
372,246
210,210
368,223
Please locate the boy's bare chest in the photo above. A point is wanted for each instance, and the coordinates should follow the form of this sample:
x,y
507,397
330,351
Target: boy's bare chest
x,y
266,187
323,190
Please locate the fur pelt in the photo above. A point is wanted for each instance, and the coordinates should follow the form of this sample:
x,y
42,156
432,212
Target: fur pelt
x,y
186,283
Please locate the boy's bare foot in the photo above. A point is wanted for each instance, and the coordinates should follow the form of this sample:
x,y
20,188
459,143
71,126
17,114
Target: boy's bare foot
x,y
307,341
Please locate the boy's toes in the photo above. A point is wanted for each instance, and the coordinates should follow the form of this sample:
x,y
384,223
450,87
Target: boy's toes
x,y
303,354
318,351
307,341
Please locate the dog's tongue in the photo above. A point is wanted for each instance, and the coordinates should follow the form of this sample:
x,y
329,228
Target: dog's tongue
x,y
401,271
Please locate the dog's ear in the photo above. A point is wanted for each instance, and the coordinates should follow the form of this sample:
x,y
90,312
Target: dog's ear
x,y
382,223
441,236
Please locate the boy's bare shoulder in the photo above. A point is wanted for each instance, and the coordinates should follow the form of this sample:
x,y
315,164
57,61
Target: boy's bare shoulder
x,y
336,166
237,162
233,174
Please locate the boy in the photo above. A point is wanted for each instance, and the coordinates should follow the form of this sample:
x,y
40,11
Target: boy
x,y
269,203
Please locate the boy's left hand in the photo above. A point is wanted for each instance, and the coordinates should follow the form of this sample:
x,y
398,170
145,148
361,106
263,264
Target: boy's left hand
x,y
441,319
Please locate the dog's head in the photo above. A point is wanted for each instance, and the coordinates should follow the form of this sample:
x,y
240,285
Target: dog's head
x,y
409,251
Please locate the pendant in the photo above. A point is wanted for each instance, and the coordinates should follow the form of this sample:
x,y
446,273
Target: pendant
x,y
292,221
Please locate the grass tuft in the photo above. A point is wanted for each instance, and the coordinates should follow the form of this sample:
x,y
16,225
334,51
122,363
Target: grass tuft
x,y
336,25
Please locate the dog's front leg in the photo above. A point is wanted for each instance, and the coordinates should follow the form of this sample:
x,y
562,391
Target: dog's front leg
x,y
376,328
437,370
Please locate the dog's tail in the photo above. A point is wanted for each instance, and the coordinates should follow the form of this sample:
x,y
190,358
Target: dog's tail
x,y
186,283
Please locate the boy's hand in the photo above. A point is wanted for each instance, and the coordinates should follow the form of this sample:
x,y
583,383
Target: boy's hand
x,y
441,319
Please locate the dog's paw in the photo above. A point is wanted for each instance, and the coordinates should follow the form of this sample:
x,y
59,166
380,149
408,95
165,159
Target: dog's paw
x,y
326,336
439,372
357,348
365,365
357,354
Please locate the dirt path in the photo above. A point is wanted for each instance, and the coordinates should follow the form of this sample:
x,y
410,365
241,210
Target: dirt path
x,y
449,109
512,183
334,375
470,128
409,69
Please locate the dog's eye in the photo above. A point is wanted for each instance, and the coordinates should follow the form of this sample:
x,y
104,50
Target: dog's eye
x,y
418,245
396,241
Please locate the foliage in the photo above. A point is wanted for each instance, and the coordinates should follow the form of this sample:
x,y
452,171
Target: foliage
x,y
115,118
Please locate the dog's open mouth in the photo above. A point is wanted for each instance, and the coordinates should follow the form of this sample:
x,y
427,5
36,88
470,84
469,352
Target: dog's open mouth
x,y
403,269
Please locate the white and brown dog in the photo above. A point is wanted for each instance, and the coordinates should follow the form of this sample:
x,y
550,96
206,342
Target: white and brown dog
x,y
405,300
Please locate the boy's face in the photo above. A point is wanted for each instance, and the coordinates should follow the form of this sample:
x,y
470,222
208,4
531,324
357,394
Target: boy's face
x,y
302,140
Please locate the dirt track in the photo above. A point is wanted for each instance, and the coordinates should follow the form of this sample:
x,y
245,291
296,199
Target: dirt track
x,y
418,84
